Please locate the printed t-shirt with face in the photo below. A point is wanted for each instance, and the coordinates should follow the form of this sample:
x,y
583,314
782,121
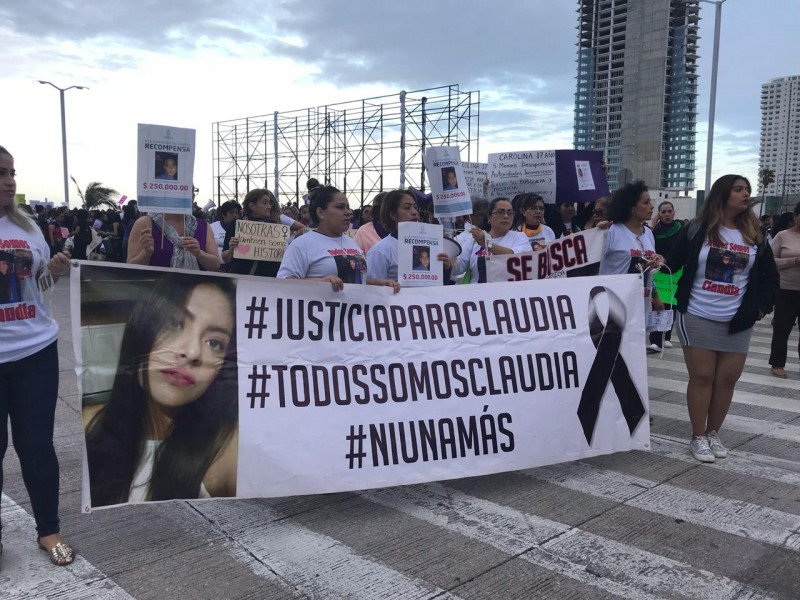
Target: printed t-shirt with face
x,y
723,272
382,259
26,325
317,255
540,239
625,252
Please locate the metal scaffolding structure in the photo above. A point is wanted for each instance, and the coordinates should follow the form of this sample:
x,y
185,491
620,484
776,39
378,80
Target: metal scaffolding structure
x,y
362,146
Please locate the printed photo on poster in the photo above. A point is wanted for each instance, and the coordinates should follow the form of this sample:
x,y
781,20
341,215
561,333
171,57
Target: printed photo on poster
x,y
449,179
16,276
351,268
166,166
584,172
422,258
160,394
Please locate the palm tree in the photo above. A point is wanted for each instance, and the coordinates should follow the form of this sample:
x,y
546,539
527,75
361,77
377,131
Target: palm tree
x,y
96,196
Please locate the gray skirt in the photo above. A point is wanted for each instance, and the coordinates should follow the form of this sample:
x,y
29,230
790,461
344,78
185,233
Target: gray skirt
x,y
697,332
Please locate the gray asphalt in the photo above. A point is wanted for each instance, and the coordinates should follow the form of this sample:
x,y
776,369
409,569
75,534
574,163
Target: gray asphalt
x,y
631,525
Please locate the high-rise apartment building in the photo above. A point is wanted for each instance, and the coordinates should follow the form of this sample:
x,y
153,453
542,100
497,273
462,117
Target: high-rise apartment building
x,y
780,135
636,97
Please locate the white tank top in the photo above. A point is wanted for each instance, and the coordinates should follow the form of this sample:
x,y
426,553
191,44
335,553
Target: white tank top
x,y
140,487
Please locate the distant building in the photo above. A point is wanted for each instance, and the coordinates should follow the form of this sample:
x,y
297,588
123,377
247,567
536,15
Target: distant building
x,y
780,135
636,97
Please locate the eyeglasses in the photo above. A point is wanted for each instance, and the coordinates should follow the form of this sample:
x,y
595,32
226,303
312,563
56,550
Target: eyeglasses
x,y
504,213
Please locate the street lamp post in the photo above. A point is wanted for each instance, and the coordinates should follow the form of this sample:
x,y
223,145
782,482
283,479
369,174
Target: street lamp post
x,y
64,132
713,98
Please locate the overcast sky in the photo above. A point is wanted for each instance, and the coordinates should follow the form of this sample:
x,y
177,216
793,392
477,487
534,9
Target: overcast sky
x,y
191,63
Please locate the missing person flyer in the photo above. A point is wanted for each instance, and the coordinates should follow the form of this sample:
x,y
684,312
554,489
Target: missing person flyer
x,y
418,245
165,167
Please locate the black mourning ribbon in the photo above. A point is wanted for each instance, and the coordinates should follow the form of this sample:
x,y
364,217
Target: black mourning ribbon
x,y
608,365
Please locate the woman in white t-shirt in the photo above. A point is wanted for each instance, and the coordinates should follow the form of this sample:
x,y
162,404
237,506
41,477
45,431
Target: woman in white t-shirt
x,y
498,238
29,361
399,206
531,210
326,253
729,282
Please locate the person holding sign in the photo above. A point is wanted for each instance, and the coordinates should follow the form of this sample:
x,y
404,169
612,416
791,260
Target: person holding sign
x,y
259,205
531,209
29,362
729,282
326,253
170,427
496,238
398,206
665,230
171,240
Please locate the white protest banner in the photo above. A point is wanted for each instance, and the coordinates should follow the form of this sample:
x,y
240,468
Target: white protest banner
x,y
533,172
448,183
570,256
556,175
418,245
321,391
259,240
165,167
474,174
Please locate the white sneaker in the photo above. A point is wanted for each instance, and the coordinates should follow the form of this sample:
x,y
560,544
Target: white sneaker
x,y
716,445
667,344
701,450
653,349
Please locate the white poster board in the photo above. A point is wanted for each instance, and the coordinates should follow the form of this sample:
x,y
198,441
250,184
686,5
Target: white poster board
x,y
532,172
448,182
418,245
475,173
165,167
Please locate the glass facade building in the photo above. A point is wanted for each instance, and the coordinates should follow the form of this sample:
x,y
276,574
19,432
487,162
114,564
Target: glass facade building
x,y
636,95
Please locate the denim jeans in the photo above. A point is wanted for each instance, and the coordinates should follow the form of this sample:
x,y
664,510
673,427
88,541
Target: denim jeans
x,y
28,393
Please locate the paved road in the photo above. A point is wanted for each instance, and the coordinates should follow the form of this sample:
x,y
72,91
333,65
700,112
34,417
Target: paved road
x,y
632,525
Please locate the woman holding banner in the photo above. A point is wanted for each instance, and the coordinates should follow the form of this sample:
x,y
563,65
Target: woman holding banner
x,y
729,283
259,205
398,206
531,210
325,253
169,429
496,238
29,364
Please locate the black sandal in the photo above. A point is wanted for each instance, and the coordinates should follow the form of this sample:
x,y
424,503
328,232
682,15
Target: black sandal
x,y
61,555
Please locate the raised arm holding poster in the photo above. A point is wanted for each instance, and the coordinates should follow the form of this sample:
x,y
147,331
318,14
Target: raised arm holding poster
x,y
418,245
448,183
165,168
259,240
556,175
345,390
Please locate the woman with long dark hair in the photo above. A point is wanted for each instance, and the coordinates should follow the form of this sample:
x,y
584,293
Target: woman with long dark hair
x,y
729,282
531,216
169,429
29,362
786,248
399,206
